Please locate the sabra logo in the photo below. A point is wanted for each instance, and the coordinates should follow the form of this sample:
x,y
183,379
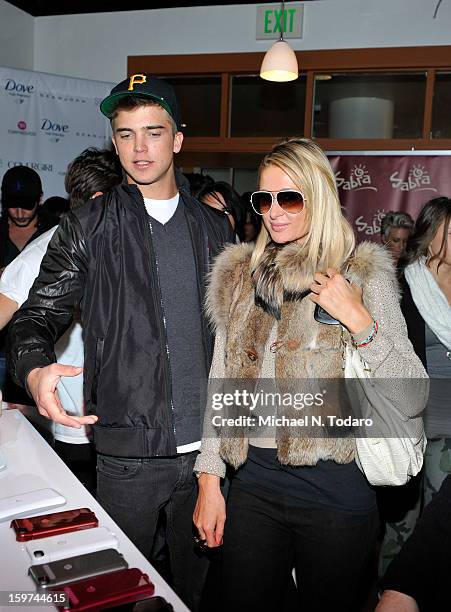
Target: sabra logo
x,y
369,229
358,179
16,86
418,179
22,125
53,126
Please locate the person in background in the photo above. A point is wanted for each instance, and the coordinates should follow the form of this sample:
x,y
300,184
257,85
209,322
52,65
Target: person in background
x,y
399,507
396,229
417,580
427,299
52,209
251,222
197,181
20,223
425,303
90,174
221,196
137,261
298,499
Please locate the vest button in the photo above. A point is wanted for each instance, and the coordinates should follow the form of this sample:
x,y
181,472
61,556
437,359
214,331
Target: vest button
x,y
252,354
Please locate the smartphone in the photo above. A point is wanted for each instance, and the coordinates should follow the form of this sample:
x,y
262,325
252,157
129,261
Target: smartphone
x,y
77,568
153,604
70,545
31,501
57,523
107,591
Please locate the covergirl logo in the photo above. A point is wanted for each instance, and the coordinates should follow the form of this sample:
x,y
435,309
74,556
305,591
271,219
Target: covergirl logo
x,y
359,179
418,179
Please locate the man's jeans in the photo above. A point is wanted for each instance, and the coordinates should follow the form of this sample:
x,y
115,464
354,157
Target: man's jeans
x,y
134,491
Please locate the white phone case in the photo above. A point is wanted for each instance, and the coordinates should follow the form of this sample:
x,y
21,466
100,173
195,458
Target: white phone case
x,y
72,544
28,503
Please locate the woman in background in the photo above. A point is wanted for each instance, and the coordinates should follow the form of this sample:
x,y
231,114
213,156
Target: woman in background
x,y
427,309
419,571
221,196
396,229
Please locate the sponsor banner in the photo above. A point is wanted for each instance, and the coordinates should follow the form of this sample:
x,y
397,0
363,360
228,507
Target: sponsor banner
x,y
371,185
48,120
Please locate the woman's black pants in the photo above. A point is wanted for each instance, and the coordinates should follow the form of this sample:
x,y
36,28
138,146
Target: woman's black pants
x,y
267,535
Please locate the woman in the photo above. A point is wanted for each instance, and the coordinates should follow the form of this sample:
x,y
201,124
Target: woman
x,y
426,305
396,229
221,196
296,501
427,308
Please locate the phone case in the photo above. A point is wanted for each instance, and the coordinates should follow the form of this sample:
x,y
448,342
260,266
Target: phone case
x,y
152,604
22,504
322,316
46,525
105,592
70,545
78,568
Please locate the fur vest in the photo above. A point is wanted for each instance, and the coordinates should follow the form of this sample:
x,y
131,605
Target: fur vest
x,y
245,308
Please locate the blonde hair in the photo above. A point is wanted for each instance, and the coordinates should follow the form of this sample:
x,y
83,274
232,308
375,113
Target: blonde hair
x,y
330,239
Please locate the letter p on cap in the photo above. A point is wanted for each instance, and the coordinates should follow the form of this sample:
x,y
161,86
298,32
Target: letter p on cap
x,y
136,78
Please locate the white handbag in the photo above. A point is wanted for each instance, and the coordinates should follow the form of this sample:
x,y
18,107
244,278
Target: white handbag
x,y
390,460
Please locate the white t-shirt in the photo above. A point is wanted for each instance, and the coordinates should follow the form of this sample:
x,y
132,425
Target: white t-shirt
x,y
15,284
161,210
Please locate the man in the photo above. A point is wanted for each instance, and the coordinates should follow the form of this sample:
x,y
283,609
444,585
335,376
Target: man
x,y
21,195
138,266
91,174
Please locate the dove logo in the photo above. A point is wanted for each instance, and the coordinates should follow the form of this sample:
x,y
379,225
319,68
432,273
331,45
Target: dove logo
x,y
53,126
16,86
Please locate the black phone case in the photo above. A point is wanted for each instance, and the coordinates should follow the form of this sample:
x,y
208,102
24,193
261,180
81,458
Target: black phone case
x,y
323,316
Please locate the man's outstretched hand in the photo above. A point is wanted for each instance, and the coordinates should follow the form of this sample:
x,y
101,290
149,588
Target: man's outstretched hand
x,y
42,383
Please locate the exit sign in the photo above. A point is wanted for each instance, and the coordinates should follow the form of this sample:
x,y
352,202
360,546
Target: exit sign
x,y
270,22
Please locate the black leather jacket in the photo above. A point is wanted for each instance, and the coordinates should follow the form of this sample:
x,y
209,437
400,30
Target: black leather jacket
x,y
102,258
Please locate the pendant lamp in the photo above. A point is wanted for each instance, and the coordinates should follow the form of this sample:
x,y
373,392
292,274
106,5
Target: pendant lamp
x,y
280,63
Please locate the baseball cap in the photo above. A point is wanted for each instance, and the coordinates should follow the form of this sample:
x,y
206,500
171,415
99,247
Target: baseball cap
x,y
143,86
21,188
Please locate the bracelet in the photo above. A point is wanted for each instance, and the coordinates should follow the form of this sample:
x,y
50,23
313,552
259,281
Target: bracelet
x,y
370,337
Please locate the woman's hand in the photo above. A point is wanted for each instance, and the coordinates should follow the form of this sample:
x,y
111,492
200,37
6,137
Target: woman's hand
x,y
210,513
341,300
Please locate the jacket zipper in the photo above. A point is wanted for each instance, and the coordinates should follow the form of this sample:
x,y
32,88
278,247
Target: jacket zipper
x,y
200,287
168,375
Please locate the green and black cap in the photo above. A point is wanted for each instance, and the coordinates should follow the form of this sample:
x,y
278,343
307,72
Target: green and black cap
x,y
144,86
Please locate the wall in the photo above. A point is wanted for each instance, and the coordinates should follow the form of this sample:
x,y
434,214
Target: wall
x,y
96,46
16,37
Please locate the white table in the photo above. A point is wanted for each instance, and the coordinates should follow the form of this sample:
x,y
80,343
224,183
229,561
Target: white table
x,y
32,464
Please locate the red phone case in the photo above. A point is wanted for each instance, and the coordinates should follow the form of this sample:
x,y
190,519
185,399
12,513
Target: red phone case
x,y
108,590
53,524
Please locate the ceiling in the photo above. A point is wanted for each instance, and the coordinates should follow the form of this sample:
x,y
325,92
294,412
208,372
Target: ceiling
x,y
39,8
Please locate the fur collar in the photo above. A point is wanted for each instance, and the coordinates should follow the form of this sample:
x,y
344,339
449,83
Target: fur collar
x,y
283,276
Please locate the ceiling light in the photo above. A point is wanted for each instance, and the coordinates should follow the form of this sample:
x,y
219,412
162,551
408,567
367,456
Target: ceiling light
x,y
280,63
